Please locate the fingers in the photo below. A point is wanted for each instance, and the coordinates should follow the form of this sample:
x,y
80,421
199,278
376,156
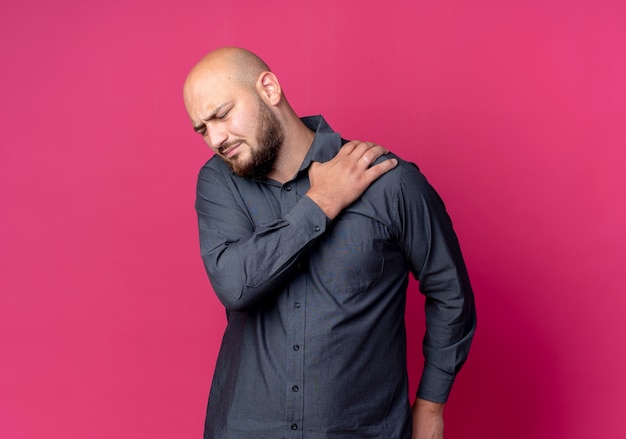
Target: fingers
x,y
365,153
382,167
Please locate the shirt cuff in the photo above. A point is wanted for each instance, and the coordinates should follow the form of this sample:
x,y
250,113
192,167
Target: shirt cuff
x,y
435,385
308,218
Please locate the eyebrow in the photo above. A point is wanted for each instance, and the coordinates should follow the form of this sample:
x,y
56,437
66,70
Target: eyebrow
x,y
211,115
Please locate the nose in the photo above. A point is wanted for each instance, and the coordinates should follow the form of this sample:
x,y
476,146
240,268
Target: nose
x,y
215,137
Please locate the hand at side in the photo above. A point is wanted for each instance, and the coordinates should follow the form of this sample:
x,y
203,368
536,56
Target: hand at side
x,y
427,419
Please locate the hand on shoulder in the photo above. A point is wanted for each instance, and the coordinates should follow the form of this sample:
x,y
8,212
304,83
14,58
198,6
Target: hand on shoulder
x,y
338,182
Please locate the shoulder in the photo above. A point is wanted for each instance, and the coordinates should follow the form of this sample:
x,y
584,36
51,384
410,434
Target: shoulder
x,y
216,180
215,166
406,175
407,188
218,174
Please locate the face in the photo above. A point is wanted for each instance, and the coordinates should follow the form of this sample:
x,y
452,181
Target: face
x,y
259,158
241,128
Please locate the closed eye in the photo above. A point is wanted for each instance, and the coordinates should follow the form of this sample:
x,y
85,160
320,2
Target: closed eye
x,y
200,129
220,113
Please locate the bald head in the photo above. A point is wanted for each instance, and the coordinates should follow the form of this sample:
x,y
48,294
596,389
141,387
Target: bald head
x,y
230,63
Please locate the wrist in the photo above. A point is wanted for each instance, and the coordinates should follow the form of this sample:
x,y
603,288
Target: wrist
x,y
428,407
325,205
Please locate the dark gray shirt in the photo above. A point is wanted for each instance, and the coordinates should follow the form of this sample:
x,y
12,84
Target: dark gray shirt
x,y
315,343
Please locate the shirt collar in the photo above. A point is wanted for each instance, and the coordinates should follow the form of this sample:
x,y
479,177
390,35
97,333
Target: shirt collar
x,y
326,143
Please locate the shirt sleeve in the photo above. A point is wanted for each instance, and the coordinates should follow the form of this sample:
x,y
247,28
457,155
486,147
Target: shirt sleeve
x,y
436,261
247,262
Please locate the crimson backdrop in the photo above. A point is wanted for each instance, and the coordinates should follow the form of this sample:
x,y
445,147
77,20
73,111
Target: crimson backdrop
x,y
514,110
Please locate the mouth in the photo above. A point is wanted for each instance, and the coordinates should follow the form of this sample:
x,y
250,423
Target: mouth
x,y
231,151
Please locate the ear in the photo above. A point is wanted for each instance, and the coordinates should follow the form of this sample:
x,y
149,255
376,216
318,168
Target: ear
x,y
268,87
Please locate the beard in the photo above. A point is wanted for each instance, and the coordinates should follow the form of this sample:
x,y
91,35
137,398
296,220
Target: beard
x,y
269,142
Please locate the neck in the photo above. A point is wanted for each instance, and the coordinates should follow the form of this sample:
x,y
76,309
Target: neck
x,y
296,143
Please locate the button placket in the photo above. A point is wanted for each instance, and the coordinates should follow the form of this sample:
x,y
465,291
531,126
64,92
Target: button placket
x,y
295,398
295,310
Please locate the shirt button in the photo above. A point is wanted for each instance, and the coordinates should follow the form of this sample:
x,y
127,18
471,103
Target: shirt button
x,y
294,426
288,188
316,228
295,388
296,304
296,347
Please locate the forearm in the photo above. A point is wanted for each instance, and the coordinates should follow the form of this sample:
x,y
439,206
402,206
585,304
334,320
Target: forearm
x,y
246,264
450,326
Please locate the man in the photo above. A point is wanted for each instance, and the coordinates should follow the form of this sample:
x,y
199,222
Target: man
x,y
308,244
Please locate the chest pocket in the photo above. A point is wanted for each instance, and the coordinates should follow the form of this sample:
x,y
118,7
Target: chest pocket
x,y
350,258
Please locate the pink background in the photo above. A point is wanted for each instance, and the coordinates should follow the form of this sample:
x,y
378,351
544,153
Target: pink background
x,y
516,111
